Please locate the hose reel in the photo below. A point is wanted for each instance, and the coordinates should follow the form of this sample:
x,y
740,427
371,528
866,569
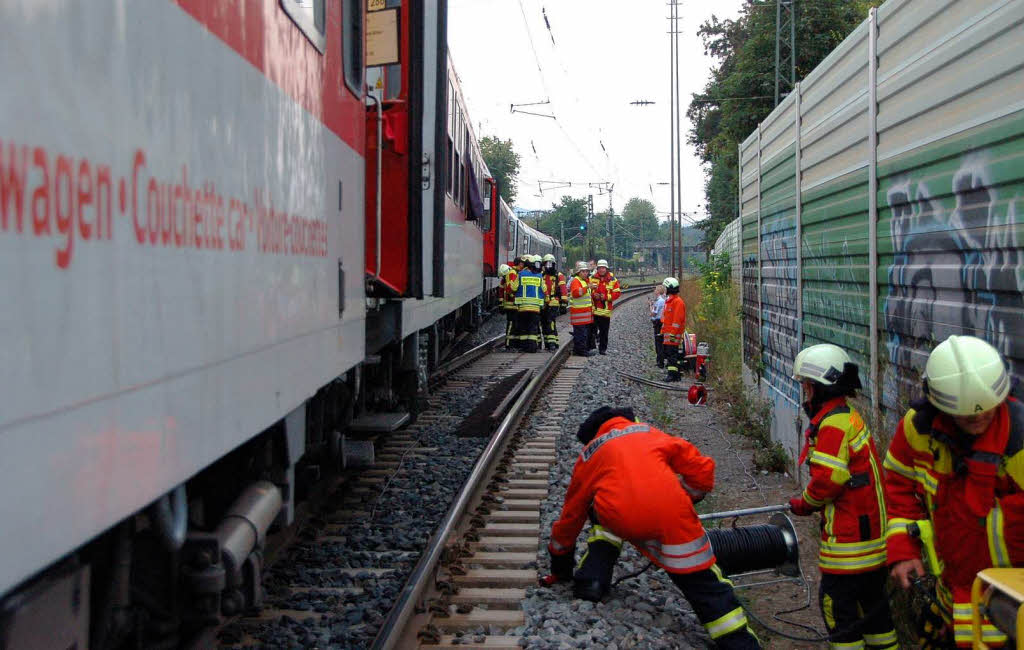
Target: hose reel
x,y
758,548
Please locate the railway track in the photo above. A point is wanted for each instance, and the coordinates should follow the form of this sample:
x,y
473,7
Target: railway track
x,y
339,578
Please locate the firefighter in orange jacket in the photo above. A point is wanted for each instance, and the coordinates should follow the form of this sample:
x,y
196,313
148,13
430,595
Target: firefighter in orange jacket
x,y
605,290
554,291
955,485
673,323
846,486
626,481
581,309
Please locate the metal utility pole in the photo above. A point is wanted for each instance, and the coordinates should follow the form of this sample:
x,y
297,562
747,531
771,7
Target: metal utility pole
x,y
672,132
785,48
679,147
611,217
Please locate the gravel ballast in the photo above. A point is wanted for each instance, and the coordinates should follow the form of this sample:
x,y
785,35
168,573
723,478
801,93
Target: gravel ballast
x,y
643,612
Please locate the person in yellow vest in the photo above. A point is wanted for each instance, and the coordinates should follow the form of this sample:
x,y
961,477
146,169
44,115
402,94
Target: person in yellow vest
x,y
508,302
529,288
554,290
846,487
604,289
581,309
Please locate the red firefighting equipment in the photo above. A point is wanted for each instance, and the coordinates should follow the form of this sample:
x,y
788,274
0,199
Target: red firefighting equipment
x,y
969,489
697,395
846,484
655,514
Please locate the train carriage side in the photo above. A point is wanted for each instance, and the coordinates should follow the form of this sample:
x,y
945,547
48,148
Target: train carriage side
x,y
186,290
435,205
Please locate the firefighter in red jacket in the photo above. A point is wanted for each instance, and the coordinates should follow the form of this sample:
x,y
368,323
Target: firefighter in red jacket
x,y
627,482
846,487
508,303
554,291
605,290
673,324
955,485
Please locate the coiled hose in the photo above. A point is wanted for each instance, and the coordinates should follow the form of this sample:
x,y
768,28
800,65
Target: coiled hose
x,y
749,548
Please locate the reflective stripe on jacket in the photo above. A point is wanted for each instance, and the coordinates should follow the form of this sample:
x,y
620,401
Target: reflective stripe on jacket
x,y
846,481
554,288
581,308
605,291
530,292
507,294
628,476
673,320
971,488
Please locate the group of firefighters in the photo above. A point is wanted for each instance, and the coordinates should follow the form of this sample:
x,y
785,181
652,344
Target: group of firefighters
x,y
951,487
533,292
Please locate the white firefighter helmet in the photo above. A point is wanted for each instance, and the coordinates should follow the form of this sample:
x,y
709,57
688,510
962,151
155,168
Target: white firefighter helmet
x,y
965,375
503,269
823,363
582,266
601,263
549,258
670,283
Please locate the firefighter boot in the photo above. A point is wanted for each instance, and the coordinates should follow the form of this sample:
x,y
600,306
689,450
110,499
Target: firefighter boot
x,y
593,576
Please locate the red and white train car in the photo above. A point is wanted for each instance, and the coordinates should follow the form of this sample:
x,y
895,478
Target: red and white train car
x,y
218,254
181,257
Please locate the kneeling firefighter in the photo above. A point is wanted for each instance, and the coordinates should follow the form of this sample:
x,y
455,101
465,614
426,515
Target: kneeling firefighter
x,y
846,487
955,485
625,482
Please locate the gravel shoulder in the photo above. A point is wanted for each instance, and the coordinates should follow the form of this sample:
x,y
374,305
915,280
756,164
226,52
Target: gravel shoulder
x,y
648,611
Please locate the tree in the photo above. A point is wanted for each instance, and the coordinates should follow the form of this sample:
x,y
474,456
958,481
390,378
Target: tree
x,y
503,163
639,217
740,92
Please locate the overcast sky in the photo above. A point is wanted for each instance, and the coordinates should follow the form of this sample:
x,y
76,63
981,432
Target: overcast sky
x,y
606,53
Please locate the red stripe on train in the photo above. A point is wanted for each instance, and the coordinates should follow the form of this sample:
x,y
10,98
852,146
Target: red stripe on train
x,y
263,34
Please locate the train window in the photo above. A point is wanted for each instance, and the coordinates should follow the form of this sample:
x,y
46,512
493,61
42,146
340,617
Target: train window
x,y
448,165
352,44
310,16
458,179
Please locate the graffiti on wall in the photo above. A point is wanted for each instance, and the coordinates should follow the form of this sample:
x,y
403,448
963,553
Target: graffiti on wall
x,y
779,306
957,269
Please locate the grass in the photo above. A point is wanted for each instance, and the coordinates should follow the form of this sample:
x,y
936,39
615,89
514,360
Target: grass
x,y
713,308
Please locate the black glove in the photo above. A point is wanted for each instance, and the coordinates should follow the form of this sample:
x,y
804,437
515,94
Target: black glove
x,y
589,428
562,565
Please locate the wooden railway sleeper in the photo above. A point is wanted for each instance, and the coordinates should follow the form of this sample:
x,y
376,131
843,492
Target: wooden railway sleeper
x,y
429,635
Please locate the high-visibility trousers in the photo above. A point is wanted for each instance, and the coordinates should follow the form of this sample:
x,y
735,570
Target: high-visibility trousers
x,y
856,610
549,326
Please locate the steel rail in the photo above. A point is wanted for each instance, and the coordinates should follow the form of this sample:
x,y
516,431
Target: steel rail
x,y
391,629
467,357
389,634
